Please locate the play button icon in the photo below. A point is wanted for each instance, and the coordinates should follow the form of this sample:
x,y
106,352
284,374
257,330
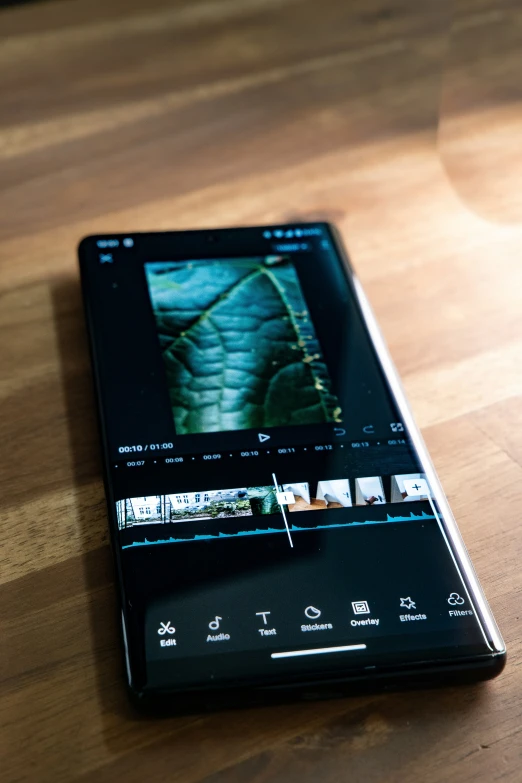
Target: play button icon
x,y
262,437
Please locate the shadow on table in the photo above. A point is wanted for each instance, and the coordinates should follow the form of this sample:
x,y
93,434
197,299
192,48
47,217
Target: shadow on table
x,y
246,737
96,557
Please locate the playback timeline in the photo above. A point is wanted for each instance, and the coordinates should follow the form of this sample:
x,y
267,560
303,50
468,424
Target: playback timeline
x,y
223,495
150,454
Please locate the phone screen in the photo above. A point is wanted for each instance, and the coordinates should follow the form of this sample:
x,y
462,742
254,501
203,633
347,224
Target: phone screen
x,y
272,515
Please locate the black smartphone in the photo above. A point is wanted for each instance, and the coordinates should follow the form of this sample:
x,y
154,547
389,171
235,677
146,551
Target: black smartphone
x,y
277,526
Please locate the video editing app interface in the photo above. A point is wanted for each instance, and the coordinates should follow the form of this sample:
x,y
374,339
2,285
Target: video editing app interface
x,y
266,494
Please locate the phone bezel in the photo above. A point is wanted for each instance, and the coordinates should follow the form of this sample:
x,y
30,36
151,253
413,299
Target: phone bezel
x,y
423,673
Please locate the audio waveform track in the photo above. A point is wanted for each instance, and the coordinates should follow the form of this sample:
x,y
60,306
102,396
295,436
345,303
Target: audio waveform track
x,y
412,517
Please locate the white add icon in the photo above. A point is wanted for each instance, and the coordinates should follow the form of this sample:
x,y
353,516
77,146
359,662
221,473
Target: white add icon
x,y
166,628
416,487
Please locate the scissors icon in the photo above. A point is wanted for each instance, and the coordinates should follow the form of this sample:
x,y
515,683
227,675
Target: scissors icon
x,y
166,628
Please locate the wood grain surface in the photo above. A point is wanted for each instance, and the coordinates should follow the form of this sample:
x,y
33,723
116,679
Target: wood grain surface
x,y
119,115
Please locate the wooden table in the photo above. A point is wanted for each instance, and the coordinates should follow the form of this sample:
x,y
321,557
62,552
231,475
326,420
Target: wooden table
x,y
122,115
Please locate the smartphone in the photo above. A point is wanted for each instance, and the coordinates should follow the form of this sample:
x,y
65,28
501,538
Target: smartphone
x,y
277,526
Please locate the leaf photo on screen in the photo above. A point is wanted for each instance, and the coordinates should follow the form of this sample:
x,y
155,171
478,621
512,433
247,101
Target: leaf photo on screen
x,y
263,501
239,348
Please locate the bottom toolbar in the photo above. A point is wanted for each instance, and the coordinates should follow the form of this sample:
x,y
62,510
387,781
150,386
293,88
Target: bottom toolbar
x,y
274,624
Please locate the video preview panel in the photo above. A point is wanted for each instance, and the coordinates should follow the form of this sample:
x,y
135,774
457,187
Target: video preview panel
x,y
238,345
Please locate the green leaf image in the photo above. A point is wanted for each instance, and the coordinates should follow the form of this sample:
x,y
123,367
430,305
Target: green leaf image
x,y
263,500
239,348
